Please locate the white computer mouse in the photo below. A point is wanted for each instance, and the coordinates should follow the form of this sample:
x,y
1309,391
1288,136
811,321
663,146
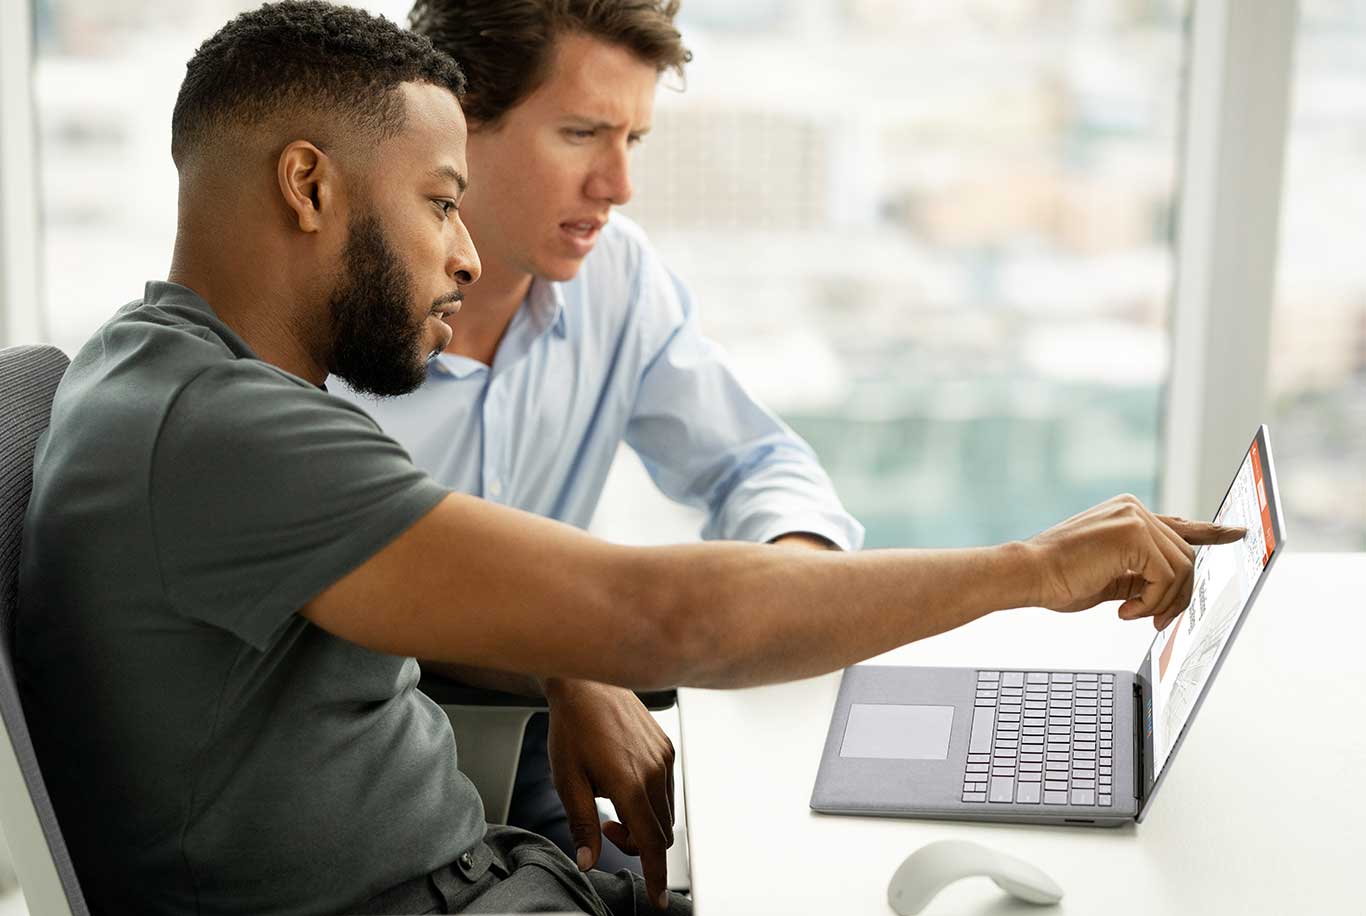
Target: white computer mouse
x,y
935,866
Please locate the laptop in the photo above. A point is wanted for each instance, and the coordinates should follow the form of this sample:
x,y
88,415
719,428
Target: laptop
x,y
1029,745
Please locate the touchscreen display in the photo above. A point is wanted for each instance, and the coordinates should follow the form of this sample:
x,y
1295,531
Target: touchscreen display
x,y
1184,654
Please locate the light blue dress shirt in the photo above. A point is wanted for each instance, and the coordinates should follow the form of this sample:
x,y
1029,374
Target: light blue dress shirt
x,y
614,354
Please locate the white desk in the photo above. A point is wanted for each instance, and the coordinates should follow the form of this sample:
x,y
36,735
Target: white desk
x,y
1263,812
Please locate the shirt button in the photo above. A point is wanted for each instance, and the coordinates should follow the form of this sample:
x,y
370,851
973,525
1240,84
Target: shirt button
x,y
496,488
466,860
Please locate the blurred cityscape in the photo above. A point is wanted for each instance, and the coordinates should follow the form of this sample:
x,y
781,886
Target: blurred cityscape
x,y
936,237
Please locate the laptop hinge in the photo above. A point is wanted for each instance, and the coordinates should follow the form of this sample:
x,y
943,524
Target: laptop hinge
x,y
1138,742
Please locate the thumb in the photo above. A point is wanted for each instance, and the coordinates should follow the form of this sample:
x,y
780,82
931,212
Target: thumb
x,y
579,804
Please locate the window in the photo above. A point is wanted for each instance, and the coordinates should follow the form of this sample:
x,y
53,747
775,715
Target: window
x,y
937,239
1318,334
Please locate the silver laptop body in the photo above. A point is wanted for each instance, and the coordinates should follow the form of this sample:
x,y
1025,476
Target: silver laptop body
x,y
1040,746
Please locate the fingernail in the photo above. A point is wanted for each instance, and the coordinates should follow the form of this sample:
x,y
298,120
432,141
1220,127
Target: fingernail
x,y
585,858
663,900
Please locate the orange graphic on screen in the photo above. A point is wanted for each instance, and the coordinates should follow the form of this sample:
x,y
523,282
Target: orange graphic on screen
x,y
1165,658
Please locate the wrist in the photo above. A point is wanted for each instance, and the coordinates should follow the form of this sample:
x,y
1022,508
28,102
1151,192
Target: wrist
x,y
566,689
1018,571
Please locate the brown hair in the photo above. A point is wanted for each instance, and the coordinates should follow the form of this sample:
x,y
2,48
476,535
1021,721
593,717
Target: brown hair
x,y
505,47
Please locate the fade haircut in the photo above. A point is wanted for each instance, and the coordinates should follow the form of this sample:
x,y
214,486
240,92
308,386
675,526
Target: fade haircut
x,y
506,46
307,56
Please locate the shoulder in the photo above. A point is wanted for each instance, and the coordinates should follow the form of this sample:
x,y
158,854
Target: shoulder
x,y
249,406
626,266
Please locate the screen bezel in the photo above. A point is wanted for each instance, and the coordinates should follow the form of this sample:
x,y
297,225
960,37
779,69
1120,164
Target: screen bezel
x,y
1150,781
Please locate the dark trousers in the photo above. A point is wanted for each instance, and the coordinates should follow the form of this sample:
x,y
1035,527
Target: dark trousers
x,y
513,871
536,806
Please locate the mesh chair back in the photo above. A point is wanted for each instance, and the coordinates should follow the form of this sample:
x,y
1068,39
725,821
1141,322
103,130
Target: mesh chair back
x,y
28,381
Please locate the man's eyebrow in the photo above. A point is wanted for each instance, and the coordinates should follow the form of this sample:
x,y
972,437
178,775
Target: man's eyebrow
x,y
446,173
605,125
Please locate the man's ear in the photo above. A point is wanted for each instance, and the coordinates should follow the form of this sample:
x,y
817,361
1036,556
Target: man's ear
x,y
309,183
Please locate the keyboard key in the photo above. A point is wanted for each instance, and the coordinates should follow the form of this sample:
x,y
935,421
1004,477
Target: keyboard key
x,y
1105,800
1029,777
1053,755
1002,789
974,796
1078,783
1083,797
982,722
978,758
1088,677
977,768
1054,798
1012,679
1030,766
1059,677
988,675
1051,785
1028,793
1083,755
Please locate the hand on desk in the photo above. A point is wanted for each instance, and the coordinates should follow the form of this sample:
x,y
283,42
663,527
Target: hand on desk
x,y
604,742
1119,550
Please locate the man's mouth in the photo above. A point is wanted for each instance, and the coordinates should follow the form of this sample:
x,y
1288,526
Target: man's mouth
x,y
583,229
447,306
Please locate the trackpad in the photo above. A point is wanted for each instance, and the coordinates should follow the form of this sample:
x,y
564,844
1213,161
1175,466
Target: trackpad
x,y
894,732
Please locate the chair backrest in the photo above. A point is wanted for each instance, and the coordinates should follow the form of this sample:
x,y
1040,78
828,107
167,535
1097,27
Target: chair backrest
x,y
28,381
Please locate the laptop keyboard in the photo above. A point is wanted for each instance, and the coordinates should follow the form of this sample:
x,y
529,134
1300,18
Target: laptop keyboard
x,y
1041,738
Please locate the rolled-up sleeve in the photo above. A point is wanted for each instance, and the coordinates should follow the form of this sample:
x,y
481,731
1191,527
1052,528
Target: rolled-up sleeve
x,y
707,442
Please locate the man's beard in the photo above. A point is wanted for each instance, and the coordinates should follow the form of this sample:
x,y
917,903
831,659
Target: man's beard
x,y
376,344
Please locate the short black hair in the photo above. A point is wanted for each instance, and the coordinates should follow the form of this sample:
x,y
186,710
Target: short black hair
x,y
308,55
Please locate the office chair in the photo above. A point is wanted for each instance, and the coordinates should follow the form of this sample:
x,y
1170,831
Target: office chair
x,y
28,380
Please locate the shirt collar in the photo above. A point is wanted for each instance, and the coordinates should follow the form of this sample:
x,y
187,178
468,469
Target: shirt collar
x,y
544,310
545,302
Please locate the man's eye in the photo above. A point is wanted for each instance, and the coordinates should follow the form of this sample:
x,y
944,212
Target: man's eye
x,y
447,206
579,133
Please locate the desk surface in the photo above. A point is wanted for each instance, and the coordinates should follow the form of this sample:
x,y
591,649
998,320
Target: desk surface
x,y
1262,812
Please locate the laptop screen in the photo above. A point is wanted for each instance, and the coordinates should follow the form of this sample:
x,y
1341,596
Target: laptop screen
x,y
1184,656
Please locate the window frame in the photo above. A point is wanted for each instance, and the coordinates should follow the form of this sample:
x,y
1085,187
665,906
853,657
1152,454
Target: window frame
x,y
21,309
1235,128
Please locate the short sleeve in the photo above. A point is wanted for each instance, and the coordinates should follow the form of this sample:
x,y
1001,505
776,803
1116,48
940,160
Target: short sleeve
x,y
264,491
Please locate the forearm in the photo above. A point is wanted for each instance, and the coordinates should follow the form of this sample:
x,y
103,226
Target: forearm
x,y
751,616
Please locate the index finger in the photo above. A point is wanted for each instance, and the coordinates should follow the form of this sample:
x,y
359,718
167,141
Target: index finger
x,y
1202,533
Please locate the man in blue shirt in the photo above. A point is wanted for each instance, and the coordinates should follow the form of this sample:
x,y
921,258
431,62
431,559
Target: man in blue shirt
x,y
578,338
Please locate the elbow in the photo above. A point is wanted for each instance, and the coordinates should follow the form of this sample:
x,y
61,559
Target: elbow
x,y
676,628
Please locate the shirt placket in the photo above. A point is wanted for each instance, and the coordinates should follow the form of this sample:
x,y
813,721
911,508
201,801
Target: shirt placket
x,y
495,416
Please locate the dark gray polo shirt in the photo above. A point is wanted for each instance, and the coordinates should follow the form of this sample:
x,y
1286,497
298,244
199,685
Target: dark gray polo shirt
x,y
208,750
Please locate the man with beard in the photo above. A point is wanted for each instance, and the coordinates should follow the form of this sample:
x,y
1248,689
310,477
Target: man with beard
x,y
233,570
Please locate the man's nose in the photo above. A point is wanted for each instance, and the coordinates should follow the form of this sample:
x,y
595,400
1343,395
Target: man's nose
x,y
611,180
463,266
